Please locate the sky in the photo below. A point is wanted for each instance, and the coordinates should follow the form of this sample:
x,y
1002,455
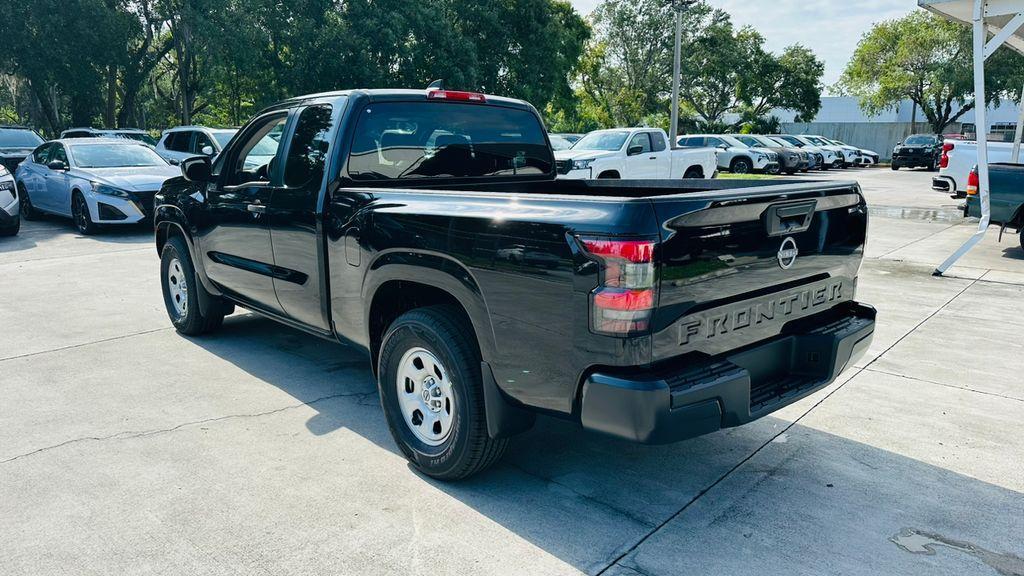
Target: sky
x,y
831,28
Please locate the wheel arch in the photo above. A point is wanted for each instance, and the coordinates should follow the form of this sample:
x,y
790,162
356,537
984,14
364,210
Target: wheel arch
x,y
398,282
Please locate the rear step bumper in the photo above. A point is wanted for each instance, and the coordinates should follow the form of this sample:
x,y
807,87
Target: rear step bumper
x,y
673,404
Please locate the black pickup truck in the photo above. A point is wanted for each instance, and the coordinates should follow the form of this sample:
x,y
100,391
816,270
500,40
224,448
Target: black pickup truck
x,y
428,229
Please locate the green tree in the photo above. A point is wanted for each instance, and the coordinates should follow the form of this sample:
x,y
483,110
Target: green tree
x,y
925,59
791,80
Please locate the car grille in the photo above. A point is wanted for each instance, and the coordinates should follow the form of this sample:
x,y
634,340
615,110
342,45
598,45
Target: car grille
x,y
563,166
144,200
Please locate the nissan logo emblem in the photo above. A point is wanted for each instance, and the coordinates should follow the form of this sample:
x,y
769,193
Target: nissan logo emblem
x,y
788,253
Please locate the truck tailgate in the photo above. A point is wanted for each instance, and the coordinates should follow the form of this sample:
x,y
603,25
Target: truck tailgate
x,y
737,266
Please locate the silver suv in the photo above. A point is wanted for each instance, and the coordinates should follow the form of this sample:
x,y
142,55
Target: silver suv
x,y
733,155
185,142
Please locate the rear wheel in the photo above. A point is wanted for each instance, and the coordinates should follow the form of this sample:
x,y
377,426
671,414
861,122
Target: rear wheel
x,y
182,289
694,172
28,211
432,394
81,216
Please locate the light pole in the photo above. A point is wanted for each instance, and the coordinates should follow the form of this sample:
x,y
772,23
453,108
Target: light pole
x,y
679,6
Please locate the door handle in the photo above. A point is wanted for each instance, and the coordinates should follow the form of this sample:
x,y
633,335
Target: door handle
x,y
257,208
653,158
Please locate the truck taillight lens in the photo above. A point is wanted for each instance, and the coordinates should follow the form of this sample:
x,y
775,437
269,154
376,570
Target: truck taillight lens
x,y
972,183
623,303
946,148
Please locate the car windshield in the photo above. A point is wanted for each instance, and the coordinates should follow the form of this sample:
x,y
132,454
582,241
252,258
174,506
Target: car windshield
x,y
734,142
608,141
115,156
920,141
559,143
19,139
816,141
223,138
792,141
138,137
767,142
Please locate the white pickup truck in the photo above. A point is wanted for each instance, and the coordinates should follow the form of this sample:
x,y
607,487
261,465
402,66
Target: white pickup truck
x,y
959,157
633,154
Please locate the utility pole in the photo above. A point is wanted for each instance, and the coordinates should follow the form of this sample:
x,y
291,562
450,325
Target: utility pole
x,y
679,6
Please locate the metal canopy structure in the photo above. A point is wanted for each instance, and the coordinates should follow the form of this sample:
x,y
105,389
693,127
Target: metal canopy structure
x,y
995,23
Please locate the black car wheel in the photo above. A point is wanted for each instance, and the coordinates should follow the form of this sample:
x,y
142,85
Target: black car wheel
x,y
740,166
28,211
181,290
80,214
895,165
694,172
431,391
11,230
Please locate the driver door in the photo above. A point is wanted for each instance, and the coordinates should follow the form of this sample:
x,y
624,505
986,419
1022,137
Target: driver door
x,y
57,192
235,241
641,161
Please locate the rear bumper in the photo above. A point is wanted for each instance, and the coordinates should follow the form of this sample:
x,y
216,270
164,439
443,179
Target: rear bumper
x,y
672,404
946,184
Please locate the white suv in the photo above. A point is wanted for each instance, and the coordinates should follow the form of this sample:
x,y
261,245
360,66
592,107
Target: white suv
x,y
186,142
733,155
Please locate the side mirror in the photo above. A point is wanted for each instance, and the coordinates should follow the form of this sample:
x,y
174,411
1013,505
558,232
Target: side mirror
x,y
723,146
57,165
634,150
196,169
207,150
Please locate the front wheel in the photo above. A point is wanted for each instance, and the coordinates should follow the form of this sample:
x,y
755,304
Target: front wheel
x,y
28,211
740,166
11,230
181,292
431,391
895,166
81,216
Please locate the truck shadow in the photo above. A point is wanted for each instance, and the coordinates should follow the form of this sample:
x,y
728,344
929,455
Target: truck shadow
x,y
808,502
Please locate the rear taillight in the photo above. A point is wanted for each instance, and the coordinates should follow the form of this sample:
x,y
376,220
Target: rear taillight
x,y
946,148
623,303
456,96
972,183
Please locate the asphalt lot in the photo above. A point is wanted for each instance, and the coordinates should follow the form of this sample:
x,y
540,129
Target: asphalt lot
x,y
128,449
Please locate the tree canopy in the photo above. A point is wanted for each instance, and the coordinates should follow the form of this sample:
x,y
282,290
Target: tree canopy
x,y
926,59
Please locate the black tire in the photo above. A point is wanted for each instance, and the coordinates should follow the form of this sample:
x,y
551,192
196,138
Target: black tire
x,y
608,176
790,171
11,230
467,448
1021,234
193,322
28,211
894,165
80,215
741,166
694,172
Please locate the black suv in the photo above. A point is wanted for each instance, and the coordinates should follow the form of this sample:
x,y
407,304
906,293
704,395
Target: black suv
x,y
922,150
16,143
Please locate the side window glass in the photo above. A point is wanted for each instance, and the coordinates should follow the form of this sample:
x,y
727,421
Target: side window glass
x,y
307,155
199,142
643,140
179,141
659,141
59,154
257,151
42,154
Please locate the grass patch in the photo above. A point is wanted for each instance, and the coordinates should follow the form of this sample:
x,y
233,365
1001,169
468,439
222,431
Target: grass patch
x,y
731,176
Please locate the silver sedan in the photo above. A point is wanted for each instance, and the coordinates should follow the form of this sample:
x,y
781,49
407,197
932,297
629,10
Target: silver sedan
x,y
94,181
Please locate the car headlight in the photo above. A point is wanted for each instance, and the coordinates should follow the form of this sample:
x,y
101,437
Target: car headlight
x,y
760,157
109,190
582,164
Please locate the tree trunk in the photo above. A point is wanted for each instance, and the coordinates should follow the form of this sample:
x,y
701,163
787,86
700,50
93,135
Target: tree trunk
x,y
108,114
46,106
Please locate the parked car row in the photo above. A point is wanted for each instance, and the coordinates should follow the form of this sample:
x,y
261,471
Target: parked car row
x,y
632,154
591,156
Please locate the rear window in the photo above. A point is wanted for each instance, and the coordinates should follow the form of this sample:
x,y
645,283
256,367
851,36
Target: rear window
x,y
409,140
13,138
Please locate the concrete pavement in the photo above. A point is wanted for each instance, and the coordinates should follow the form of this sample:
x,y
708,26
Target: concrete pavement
x,y
128,449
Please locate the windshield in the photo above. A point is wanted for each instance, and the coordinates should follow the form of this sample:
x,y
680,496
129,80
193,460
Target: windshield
x,y
920,141
767,142
608,141
791,141
749,140
559,143
138,137
734,142
19,139
816,141
223,138
115,156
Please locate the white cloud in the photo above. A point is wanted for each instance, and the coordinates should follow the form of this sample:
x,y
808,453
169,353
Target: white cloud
x,y
831,28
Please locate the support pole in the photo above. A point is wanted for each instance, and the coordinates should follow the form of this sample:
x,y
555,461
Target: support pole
x,y
981,122
1015,157
673,129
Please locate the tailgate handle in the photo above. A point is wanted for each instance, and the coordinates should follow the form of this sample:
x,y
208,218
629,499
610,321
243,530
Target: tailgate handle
x,y
783,219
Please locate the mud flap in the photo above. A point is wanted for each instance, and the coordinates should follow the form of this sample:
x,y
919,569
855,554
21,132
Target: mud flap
x,y
503,419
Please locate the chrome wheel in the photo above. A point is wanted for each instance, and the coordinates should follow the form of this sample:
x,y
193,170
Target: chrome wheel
x,y
177,289
425,396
